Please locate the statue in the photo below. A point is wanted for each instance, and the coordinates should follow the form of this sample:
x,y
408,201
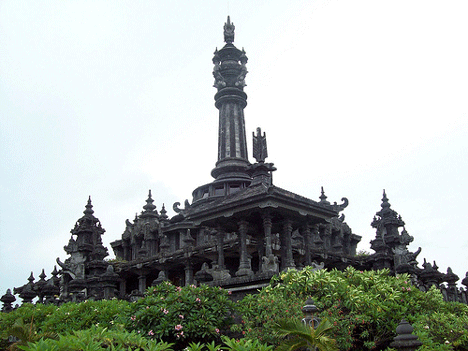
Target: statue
x,y
229,31
260,152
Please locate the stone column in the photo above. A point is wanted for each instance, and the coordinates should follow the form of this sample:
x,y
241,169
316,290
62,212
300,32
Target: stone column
x,y
267,231
188,274
307,244
269,261
142,283
288,259
220,248
244,263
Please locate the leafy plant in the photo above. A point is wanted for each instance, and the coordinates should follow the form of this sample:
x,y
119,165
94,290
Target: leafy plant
x,y
181,314
364,308
245,345
303,336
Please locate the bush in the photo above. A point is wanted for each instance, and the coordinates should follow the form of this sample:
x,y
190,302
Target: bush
x,y
66,318
365,308
181,315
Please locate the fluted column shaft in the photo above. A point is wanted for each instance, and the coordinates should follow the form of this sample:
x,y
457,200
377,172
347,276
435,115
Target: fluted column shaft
x,y
267,231
289,260
244,263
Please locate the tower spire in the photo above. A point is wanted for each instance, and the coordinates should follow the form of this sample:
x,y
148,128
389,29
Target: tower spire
x,y
229,72
89,207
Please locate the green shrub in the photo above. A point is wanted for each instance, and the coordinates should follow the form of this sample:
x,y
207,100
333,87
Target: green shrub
x,y
364,307
181,315
97,339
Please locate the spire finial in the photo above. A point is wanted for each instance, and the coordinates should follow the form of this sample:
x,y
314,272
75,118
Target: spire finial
x,y
163,212
89,207
229,31
323,197
149,207
385,203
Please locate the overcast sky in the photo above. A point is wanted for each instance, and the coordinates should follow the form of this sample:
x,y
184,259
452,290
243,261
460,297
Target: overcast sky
x,y
113,98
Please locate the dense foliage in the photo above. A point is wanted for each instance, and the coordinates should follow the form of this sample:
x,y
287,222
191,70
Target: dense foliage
x,y
364,307
168,313
176,314
363,310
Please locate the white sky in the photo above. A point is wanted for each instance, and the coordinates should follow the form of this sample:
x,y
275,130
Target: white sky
x,y
112,98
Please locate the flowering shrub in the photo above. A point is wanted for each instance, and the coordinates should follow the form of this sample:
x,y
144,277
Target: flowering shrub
x,y
181,315
364,307
68,317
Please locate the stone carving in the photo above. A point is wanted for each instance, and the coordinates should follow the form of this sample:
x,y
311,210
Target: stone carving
x,y
270,264
229,31
260,151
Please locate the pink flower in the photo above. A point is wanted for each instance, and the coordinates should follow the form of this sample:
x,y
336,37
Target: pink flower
x,y
164,310
217,330
229,293
133,318
197,299
178,327
151,333
181,316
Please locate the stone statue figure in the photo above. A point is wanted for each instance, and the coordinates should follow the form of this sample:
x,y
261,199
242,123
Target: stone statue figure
x,y
260,152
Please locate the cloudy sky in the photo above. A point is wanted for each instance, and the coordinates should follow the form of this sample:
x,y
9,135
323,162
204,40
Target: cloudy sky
x,y
111,99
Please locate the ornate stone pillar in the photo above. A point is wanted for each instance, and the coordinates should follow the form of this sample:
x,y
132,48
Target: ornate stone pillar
x,y
269,261
219,271
142,283
220,248
307,244
188,273
244,263
267,231
288,260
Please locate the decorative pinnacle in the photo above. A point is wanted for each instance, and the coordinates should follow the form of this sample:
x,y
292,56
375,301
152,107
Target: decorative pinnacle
x,y
163,212
229,31
323,197
149,203
385,203
31,278
55,272
89,207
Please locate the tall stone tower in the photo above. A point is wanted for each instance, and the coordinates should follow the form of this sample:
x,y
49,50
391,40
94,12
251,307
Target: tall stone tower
x,y
229,73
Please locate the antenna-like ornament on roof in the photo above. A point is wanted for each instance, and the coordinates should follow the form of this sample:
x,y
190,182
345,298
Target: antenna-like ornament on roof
x,y
229,31
385,203
89,207
323,197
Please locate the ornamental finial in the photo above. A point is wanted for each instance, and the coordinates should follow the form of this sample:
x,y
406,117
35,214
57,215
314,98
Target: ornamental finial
x,y
89,207
229,31
149,207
